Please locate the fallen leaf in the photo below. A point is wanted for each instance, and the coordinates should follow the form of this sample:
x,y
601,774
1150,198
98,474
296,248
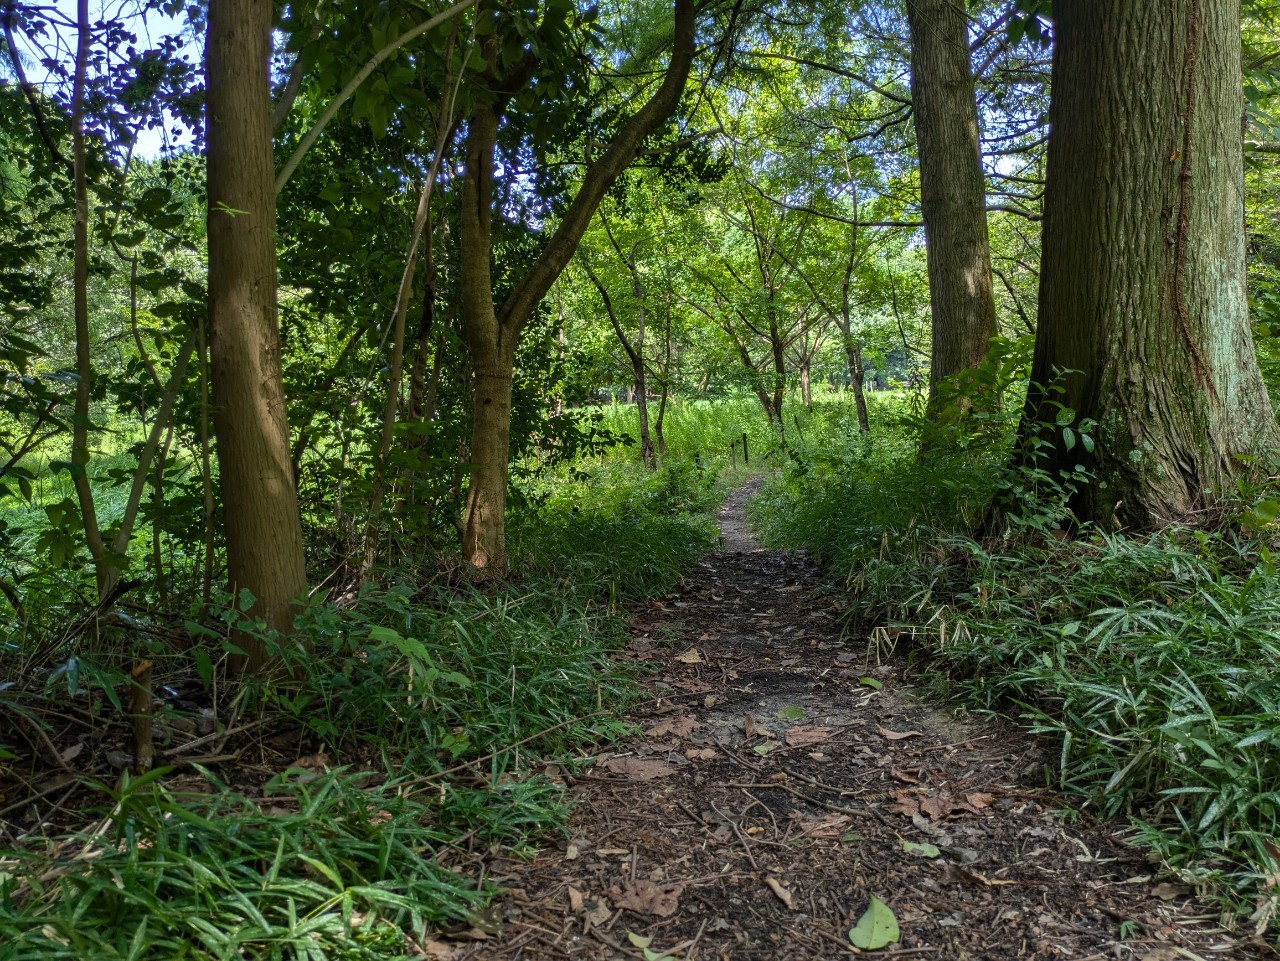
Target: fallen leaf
x,y
700,753
784,893
924,850
978,800
646,897
690,656
906,777
898,735
803,735
791,712
1166,891
597,912
437,950
72,752
681,726
576,899
876,929
937,807
639,768
763,749
871,682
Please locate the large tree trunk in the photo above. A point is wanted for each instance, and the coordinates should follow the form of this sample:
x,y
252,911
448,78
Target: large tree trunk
x,y
260,508
1142,285
952,191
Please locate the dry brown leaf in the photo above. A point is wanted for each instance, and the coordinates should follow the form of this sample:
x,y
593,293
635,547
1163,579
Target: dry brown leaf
x,y
906,777
978,800
905,804
700,753
803,735
691,656
646,897
639,768
576,899
898,735
782,891
937,807
437,950
681,726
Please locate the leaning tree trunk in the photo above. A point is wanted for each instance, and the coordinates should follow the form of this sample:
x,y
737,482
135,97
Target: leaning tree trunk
x,y
1142,285
493,333
952,191
260,508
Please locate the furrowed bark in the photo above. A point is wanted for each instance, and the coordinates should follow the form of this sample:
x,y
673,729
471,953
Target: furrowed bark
x,y
1142,289
952,188
260,508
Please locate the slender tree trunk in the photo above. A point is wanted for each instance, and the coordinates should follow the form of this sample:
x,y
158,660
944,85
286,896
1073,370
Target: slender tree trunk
x,y
492,352
806,384
1142,287
260,507
105,570
952,190
659,440
853,352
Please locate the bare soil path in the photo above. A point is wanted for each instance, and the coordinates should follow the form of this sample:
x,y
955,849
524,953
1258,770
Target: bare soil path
x,y
787,774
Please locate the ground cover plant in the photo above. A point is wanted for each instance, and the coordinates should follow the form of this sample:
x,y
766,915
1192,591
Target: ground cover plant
x,y
1150,659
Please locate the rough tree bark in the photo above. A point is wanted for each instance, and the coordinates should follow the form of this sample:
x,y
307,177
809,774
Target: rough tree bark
x,y
260,508
492,332
1142,286
952,189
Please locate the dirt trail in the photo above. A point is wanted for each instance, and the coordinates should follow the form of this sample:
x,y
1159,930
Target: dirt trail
x,y
786,775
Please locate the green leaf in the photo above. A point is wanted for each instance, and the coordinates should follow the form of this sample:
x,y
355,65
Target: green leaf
x,y
763,749
792,713
923,850
872,683
877,928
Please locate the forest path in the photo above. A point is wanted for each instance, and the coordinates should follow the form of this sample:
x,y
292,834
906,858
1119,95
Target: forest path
x,y
786,774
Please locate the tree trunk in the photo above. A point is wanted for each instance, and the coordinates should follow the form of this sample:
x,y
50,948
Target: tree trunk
x,y
260,508
952,190
106,568
1142,287
806,385
492,334
853,351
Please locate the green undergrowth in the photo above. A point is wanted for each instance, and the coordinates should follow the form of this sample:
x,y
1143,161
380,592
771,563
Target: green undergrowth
x,y
1152,662
422,717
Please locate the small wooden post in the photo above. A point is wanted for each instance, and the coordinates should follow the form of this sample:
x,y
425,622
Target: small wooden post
x,y
746,453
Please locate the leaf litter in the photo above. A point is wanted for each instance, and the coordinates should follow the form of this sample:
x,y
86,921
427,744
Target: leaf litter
x,y
870,817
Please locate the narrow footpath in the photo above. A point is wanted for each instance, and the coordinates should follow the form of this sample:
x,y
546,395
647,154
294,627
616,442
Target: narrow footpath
x,y
786,775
